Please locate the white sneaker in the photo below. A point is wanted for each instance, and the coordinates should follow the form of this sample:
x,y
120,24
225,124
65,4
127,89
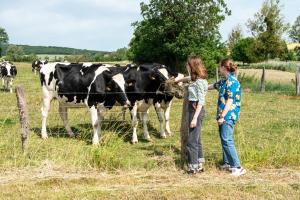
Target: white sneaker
x,y
238,171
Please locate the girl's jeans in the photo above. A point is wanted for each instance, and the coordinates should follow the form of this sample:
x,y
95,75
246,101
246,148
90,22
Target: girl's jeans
x,y
229,152
194,145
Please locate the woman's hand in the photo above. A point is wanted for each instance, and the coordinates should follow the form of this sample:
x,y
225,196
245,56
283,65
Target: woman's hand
x,y
193,123
221,121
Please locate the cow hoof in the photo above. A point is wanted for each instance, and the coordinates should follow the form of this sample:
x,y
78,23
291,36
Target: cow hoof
x,y
44,137
95,144
148,139
163,136
71,134
134,141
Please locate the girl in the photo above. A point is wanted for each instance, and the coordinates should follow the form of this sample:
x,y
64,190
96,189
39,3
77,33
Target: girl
x,y
229,103
197,90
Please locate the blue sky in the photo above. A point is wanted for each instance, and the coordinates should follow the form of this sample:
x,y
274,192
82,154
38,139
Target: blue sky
x,y
100,24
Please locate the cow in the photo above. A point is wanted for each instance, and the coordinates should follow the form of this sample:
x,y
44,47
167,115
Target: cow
x,y
81,85
37,65
146,87
8,73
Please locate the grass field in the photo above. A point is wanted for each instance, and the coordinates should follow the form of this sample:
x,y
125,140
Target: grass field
x,y
267,139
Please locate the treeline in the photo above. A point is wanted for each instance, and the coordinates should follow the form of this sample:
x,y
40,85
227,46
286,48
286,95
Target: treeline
x,y
17,53
56,50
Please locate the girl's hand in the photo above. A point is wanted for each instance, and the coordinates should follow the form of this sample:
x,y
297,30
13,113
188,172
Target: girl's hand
x,y
221,121
193,123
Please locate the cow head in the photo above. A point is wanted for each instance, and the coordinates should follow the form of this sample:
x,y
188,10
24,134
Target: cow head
x,y
115,89
39,63
8,69
167,79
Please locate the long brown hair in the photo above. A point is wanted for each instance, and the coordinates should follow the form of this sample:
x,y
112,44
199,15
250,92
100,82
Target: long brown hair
x,y
197,67
229,65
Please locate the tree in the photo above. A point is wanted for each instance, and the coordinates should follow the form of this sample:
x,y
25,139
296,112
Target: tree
x,y
171,30
243,51
294,33
235,35
14,53
3,39
267,27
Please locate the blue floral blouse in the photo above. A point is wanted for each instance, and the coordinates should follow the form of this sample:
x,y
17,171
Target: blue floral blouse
x,y
229,89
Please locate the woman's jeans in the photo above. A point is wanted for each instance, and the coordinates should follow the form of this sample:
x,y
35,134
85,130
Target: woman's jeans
x,y
194,146
229,152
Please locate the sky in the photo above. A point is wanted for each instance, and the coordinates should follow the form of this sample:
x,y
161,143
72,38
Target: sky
x,y
101,24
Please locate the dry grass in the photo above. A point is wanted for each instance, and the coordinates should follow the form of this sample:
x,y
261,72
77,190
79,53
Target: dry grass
x,y
154,184
274,76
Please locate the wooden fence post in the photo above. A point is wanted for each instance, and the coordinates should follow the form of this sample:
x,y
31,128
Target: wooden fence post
x,y
298,81
21,102
263,80
217,74
184,129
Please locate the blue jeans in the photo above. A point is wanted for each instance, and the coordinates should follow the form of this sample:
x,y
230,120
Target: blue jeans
x,y
194,146
229,152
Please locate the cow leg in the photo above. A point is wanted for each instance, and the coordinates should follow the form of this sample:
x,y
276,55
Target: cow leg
x,y
47,97
135,123
145,121
95,124
160,119
167,110
10,85
63,112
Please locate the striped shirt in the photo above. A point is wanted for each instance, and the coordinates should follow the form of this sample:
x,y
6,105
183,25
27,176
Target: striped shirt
x,y
197,91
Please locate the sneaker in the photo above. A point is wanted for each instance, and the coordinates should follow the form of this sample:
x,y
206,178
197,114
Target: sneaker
x,y
238,171
225,167
191,171
200,168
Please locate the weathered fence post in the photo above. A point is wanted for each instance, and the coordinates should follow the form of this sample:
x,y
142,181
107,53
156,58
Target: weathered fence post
x,y
298,81
263,80
184,129
21,101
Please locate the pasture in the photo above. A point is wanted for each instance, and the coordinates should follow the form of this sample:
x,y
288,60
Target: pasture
x,y
267,139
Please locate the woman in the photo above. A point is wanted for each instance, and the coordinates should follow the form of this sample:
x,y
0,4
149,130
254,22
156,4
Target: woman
x,y
197,90
229,103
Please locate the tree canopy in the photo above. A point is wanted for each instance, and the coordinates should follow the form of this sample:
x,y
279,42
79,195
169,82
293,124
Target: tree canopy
x,y
3,39
172,30
267,27
294,33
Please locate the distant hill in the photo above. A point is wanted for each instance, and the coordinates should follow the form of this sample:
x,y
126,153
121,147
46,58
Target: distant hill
x,y
56,50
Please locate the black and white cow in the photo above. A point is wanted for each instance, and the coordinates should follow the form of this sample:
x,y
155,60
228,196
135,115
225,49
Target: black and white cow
x,y
8,73
37,65
75,85
146,87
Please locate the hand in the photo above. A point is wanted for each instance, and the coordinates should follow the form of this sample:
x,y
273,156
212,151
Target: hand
x,y
193,123
221,121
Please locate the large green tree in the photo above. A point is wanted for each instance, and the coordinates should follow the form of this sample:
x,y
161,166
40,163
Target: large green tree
x,y
171,30
295,31
243,50
14,53
3,39
267,27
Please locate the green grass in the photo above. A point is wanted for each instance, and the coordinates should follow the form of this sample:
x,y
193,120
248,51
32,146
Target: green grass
x,y
276,65
266,136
